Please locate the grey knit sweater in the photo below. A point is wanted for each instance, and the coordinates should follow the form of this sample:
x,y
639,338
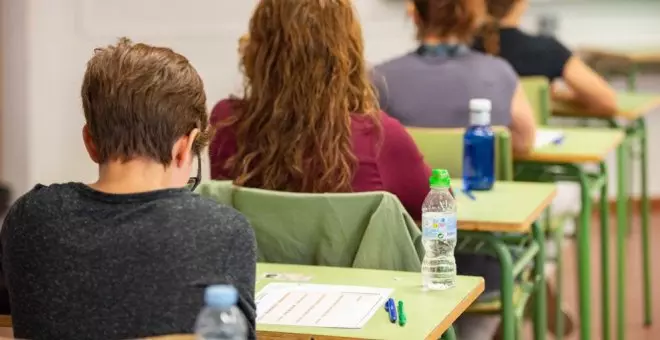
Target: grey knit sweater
x,y
81,264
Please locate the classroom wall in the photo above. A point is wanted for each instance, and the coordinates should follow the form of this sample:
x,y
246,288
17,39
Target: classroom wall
x,y
46,43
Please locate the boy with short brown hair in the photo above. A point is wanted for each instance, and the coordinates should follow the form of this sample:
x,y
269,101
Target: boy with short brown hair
x,y
129,255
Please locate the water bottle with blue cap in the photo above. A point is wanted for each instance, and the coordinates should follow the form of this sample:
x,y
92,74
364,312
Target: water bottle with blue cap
x,y
221,319
479,148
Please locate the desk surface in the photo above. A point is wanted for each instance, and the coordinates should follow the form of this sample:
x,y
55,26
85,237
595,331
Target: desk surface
x,y
508,207
580,145
639,55
631,106
429,314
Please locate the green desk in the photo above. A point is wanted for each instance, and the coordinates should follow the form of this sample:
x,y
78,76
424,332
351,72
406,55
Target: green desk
x,y
632,108
564,162
502,217
510,207
624,59
429,314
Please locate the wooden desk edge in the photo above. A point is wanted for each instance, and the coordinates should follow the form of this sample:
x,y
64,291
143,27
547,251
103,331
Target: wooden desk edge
x,y
436,333
564,158
632,57
460,309
509,227
566,110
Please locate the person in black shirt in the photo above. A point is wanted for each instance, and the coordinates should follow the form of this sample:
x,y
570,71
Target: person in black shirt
x,y
532,55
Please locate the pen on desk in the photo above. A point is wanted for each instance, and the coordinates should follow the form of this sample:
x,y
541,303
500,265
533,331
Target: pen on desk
x,y
402,314
392,310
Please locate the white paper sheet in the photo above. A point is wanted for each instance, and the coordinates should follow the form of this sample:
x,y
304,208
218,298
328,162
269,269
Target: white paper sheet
x,y
546,137
315,305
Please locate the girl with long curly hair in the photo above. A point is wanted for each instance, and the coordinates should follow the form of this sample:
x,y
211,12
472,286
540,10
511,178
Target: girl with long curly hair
x,y
534,55
309,120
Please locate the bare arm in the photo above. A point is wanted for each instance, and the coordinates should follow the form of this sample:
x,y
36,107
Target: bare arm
x,y
523,123
586,89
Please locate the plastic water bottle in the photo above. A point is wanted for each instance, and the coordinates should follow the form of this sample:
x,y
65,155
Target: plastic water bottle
x,y
479,148
221,319
439,233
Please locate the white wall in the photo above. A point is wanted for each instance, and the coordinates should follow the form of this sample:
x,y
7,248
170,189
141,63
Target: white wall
x,y
47,42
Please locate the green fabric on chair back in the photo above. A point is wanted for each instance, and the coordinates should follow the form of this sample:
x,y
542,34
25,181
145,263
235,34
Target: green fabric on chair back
x,y
363,230
537,90
443,148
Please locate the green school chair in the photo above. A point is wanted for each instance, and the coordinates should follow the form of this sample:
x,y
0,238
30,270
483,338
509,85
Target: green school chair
x,y
329,229
443,148
537,90
338,229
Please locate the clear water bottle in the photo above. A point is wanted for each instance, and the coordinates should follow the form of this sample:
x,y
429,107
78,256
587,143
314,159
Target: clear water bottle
x,y
439,233
479,148
221,319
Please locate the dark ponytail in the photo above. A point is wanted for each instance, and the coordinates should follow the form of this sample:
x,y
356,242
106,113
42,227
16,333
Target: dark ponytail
x,y
490,32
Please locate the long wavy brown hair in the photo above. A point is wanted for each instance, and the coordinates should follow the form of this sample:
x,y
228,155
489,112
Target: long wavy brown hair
x,y
305,75
490,32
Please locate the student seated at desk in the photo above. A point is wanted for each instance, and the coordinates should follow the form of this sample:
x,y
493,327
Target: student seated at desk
x,y
129,255
309,120
532,55
432,86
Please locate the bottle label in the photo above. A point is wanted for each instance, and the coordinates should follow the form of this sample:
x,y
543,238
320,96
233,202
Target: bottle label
x,y
438,225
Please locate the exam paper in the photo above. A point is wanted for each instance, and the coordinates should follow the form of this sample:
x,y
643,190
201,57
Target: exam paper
x,y
316,305
546,137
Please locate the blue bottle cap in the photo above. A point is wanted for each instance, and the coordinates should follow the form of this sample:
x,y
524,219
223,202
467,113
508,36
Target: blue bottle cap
x,y
220,296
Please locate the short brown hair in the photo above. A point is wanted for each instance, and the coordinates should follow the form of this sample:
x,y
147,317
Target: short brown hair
x,y
139,99
445,18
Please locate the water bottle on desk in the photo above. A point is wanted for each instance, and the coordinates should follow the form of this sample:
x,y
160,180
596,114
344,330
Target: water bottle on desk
x,y
479,148
221,319
439,233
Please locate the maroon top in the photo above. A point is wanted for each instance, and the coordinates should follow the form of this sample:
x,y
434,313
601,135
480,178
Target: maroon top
x,y
397,166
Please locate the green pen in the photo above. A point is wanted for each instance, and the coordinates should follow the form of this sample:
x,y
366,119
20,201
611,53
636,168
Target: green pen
x,y
402,315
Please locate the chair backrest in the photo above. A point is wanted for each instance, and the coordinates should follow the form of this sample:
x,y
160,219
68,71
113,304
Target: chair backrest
x,y
443,148
537,90
366,230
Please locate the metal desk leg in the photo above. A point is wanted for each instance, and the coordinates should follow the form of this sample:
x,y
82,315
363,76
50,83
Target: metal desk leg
x,y
506,296
540,311
559,314
584,257
604,254
621,226
450,334
645,222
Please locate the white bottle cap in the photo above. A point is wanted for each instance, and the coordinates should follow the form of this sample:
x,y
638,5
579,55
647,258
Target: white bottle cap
x,y
480,111
480,104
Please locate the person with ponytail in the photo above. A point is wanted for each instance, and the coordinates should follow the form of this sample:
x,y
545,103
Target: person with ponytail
x,y
308,119
532,55
432,86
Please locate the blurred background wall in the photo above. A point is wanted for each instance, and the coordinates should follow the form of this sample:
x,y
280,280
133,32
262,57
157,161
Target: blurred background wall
x,y
45,44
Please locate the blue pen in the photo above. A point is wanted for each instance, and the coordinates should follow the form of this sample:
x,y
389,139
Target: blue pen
x,y
391,310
